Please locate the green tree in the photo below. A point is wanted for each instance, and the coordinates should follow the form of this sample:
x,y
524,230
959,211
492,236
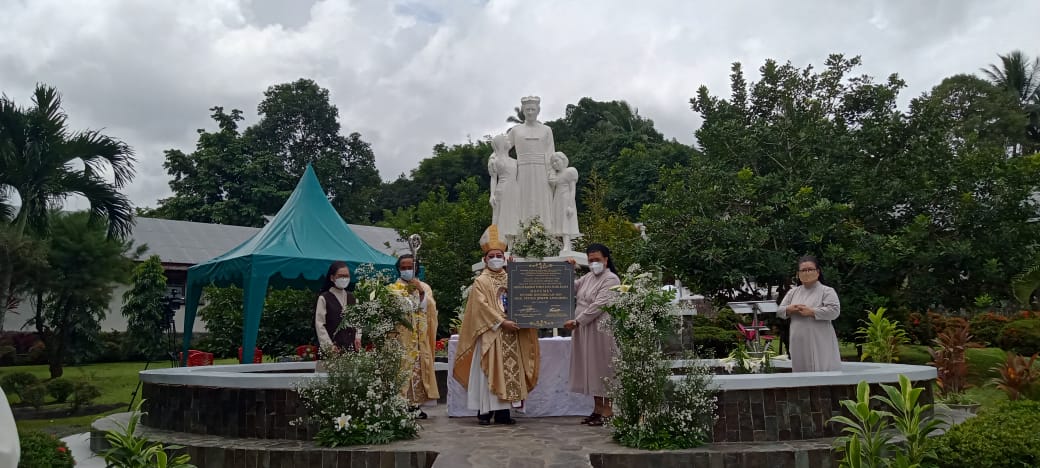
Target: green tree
x,y
144,310
786,161
910,209
237,177
299,126
217,183
610,228
451,231
1021,78
24,260
39,156
613,140
446,168
85,267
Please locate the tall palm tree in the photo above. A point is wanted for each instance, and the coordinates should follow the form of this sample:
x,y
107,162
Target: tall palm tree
x,y
1020,76
39,156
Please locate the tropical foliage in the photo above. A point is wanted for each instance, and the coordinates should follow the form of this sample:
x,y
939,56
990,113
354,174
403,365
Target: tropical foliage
x,y
867,440
144,310
129,450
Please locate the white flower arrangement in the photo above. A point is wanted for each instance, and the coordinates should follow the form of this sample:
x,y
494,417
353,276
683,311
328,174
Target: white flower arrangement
x,y
742,362
535,241
651,411
359,402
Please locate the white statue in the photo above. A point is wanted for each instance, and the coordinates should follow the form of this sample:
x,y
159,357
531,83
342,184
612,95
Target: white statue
x,y
505,191
565,213
534,145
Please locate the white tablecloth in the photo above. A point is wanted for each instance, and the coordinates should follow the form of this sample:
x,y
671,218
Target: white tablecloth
x,y
551,397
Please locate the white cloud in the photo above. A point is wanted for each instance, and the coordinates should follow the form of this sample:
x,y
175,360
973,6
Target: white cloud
x,y
408,75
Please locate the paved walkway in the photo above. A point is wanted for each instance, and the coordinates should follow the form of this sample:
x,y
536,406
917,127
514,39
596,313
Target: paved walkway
x,y
537,442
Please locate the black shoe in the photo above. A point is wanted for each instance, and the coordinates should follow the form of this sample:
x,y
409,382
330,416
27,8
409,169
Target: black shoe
x,y
503,417
421,415
484,419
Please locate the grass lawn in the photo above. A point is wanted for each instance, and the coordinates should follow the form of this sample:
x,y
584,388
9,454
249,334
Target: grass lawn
x,y
980,368
115,380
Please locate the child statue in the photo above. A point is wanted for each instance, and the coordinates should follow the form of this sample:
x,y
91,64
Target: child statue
x,y
565,214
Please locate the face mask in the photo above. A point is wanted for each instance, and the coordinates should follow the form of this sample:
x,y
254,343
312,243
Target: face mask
x,y
407,275
342,283
596,267
808,276
496,263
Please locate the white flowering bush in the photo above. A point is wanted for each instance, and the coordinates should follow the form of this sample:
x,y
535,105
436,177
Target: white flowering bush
x,y
535,241
360,403
651,410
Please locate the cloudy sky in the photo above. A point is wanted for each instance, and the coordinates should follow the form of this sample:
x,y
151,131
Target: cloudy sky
x,y
411,74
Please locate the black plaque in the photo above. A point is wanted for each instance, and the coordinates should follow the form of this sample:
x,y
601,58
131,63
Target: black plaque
x,y
541,294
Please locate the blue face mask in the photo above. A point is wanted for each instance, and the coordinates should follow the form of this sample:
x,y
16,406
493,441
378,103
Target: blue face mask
x,y
406,275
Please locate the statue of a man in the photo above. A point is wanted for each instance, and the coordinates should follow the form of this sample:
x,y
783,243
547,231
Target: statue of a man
x,y
534,145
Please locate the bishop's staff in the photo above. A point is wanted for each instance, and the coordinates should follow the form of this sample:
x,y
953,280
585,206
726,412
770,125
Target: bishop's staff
x,y
414,244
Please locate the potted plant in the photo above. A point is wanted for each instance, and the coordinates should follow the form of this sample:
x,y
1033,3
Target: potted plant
x,y
960,401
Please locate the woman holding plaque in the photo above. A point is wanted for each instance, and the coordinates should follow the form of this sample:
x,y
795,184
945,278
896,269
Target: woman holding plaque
x,y
592,343
497,361
811,307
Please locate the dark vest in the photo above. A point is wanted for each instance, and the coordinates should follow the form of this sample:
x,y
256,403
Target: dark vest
x,y
333,316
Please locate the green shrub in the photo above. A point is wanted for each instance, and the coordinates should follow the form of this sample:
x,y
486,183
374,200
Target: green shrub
x,y
112,348
15,382
42,450
1001,436
716,342
726,319
60,389
34,395
7,353
84,394
288,321
986,327
881,337
1021,337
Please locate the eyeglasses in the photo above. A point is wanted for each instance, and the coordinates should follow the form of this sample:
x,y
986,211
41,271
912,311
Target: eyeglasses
x,y
807,270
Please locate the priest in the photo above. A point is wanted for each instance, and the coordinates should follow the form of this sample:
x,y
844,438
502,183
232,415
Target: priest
x,y
418,341
497,361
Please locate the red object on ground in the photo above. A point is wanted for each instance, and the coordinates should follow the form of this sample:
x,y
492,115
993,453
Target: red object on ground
x,y
258,356
197,358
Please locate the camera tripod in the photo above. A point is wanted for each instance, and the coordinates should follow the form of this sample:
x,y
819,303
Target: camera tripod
x,y
170,303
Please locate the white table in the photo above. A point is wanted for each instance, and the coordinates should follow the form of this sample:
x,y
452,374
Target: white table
x,y
550,397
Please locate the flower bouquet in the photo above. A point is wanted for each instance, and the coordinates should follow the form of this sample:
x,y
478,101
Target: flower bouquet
x,y
535,241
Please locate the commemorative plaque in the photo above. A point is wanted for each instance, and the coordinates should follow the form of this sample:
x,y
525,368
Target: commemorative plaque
x,y
541,294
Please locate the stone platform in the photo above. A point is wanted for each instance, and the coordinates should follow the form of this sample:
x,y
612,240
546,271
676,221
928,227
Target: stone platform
x,y
460,442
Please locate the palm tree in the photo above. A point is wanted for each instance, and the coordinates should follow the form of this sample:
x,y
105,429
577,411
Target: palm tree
x,y
516,119
1020,76
39,156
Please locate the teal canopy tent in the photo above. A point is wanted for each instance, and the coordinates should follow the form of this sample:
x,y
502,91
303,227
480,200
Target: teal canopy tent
x,y
293,249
